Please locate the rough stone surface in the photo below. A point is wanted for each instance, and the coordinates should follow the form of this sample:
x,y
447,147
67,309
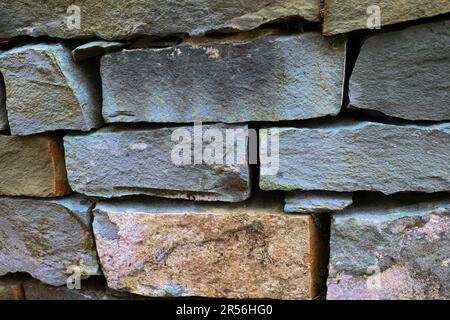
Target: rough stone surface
x,y
96,48
269,78
32,166
316,202
116,162
46,90
406,245
162,248
362,156
342,16
112,19
3,116
11,288
44,237
405,73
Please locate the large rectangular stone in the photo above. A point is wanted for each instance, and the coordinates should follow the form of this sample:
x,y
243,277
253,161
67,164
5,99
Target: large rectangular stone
x,y
361,156
252,250
113,19
409,73
32,166
391,249
346,15
46,90
115,162
50,239
268,78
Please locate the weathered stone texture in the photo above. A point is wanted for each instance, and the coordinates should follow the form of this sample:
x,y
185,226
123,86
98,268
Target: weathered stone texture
x,y
405,73
269,78
116,162
3,115
166,248
406,245
46,90
112,19
346,15
316,201
32,166
362,156
44,237
95,49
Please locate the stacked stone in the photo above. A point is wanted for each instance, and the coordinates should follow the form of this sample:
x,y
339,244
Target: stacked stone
x,y
102,171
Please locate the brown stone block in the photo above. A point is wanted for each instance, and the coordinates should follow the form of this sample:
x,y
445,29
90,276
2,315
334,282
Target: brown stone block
x,y
160,248
32,166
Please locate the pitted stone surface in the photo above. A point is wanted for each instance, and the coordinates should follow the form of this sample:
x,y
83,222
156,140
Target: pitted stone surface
x,y
346,15
45,237
166,248
367,156
115,162
270,78
408,75
112,19
387,250
46,90
32,166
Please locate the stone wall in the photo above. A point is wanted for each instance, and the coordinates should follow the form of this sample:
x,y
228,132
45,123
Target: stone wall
x,y
241,149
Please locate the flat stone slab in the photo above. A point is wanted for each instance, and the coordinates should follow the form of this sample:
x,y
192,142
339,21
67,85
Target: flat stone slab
x,y
95,49
391,251
112,19
268,78
164,248
32,166
342,16
46,90
364,156
45,237
316,201
408,75
114,162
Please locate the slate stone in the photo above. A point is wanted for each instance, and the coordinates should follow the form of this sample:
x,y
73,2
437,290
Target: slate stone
x,y
391,251
342,16
112,19
44,237
32,166
316,201
163,248
367,156
46,90
115,162
95,49
404,73
3,116
270,78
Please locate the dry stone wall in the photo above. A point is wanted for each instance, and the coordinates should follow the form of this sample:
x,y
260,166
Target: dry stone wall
x,y
269,149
